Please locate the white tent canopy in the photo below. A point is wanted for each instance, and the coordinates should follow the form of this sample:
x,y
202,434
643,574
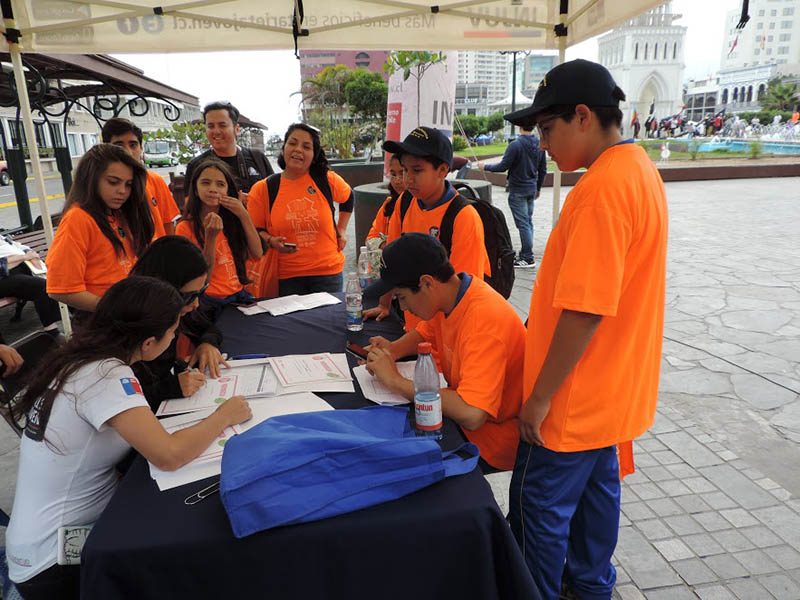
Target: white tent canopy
x,y
520,100
94,26
107,26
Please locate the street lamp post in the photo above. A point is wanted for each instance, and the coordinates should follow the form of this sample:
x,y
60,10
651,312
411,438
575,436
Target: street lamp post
x,y
514,81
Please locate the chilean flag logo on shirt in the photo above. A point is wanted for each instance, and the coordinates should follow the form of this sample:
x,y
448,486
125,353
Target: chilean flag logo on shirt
x,y
131,386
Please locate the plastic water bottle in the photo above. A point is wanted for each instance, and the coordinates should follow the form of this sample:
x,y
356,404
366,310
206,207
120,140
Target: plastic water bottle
x,y
352,299
364,268
427,401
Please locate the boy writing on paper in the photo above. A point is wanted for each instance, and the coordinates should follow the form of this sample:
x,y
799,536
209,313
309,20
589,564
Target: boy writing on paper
x,y
477,335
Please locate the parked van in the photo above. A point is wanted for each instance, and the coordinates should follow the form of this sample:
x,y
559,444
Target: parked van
x,y
160,153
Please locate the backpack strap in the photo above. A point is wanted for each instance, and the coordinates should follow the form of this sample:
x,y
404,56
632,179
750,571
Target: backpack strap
x,y
324,186
273,186
448,220
405,204
388,210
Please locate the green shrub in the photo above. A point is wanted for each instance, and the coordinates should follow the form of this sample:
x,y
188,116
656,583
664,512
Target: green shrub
x,y
694,148
754,151
459,143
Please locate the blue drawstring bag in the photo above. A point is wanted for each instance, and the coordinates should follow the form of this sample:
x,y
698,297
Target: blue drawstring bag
x,y
310,466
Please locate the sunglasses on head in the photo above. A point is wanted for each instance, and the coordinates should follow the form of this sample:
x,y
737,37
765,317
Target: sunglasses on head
x,y
189,297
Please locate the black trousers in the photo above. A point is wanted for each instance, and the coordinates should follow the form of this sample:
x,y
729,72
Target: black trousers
x,y
59,581
21,284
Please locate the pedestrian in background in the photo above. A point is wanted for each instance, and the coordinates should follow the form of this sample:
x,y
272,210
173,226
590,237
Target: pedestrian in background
x,y
526,164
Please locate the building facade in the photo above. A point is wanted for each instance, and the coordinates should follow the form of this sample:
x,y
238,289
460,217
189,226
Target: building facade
x,y
83,130
771,36
313,61
488,68
531,69
646,58
701,98
472,99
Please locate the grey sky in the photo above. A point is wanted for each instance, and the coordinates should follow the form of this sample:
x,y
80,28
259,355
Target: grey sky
x,y
260,84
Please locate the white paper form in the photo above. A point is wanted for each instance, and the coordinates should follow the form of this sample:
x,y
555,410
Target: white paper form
x,y
289,304
344,386
299,369
210,462
375,391
248,378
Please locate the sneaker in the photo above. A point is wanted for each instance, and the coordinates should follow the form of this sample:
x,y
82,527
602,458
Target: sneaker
x,y
521,263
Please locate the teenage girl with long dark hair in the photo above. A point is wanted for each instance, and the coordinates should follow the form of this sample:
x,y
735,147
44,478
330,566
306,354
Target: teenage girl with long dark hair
x,y
85,410
218,223
107,226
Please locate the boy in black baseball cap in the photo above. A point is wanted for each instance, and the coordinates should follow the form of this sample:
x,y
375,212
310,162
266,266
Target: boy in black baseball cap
x,y
594,339
426,154
480,344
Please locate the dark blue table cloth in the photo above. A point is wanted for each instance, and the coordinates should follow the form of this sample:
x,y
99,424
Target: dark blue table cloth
x,y
446,541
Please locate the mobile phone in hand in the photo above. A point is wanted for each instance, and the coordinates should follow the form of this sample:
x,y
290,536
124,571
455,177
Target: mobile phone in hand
x,y
356,350
290,245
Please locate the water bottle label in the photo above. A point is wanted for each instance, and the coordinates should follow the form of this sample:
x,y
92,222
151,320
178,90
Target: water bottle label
x,y
428,414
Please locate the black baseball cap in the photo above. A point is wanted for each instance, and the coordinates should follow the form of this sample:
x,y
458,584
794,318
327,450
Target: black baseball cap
x,y
423,141
575,82
406,259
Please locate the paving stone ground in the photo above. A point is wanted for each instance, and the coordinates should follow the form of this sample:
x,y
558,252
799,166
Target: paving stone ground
x,y
713,511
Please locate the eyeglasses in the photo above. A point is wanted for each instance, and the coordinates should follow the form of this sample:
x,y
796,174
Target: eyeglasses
x,y
189,297
544,134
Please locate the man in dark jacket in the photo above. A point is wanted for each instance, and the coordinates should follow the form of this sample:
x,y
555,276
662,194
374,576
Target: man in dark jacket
x,y
222,127
526,164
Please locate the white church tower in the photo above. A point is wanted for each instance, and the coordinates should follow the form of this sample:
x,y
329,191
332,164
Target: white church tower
x,y
645,57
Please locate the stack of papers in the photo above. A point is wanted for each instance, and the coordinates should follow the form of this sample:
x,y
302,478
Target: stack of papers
x,y
289,304
209,463
249,378
266,377
375,391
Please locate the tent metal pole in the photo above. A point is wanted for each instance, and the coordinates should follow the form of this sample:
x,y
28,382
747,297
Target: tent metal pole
x,y
562,51
33,150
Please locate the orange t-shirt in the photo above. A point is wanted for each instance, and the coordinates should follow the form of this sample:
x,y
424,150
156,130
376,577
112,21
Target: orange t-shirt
x,y
223,281
606,256
481,344
159,196
302,215
380,225
82,259
467,252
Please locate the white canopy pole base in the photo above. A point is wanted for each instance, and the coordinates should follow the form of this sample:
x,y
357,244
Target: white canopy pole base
x,y
33,150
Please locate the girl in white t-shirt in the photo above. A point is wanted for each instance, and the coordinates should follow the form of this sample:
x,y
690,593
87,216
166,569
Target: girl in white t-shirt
x,y
85,411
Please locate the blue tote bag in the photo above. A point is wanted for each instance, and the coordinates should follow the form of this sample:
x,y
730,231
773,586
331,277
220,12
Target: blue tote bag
x,y
310,466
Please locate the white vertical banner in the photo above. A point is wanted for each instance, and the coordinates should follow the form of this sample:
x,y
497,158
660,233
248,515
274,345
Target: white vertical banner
x,y
437,95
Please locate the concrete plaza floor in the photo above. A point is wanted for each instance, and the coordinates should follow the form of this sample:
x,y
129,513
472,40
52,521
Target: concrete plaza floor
x,y
713,511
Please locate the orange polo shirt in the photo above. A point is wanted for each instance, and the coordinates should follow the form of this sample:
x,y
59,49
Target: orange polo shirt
x,y
467,252
380,225
302,215
159,196
481,345
606,256
82,259
223,281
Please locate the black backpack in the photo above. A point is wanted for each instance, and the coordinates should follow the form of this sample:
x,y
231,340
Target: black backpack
x,y
496,236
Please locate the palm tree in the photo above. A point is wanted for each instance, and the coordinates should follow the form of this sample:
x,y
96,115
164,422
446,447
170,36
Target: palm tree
x,y
779,96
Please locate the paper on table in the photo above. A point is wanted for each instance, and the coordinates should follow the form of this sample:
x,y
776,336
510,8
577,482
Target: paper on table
x,y
263,409
375,391
289,304
249,378
344,386
297,369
